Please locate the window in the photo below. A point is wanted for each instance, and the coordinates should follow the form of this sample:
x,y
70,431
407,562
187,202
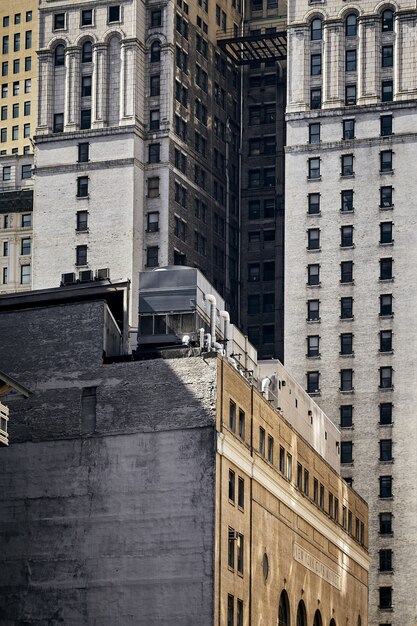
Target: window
x,y
315,64
387,91
313,274
313,239
156,18
385,269
231,599
385,597
316,491
346,236
59,21
254,304
5,44
241,424
313,346
4,91
86,17
387,56
385,377
385,413
83,152
351,25
313,203
387,21
299,476
346,272
232,416
28,64
28,16
385,450
81,255
350,95
385,125
26,171
26,246
314,133
152,222
4,68
385,229
350,61
180,228
16,42
385,341
114,13
3,135
5,275
314,168
385,523
87,52
268,334
313,382
261,441
240,554
58,122
347,165
385,197
86,86
25,274
82,187
316,29
346,380
269,270
85,119
26,220
28,39
82,221
385,304
321,503
385,560
315,98
270,455
152,256
156,51
239,612
346,416
154,153
231,485
5,248
4,112
155,85
386,161
346,452
346,343
313,310
348,129
16,88
7,170
16,66
6,21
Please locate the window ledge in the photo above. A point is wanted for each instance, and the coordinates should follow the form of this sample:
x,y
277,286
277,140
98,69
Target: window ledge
x,y
386,207
317,214
82,230
390,462
348,211
390,425
386,172
347,282
313,356
347,464
347,175
347,427
83,265
386,351
344,356
347,247
313,321
386,498
314,393
386,388
313,179
386,317
313,249
87,197
313,286
347,319
386,280
347,391
386,608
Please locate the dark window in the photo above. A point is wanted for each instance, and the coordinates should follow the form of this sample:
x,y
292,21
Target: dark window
x,y
350,94
315,98
152,221
387,91
270,455
385,377
231,552
351,25
387,21
385,125
26,171
26,246
346,236
315,64
314,133
156,51
86,17
386,161
241,424
346,452
385,304
385,266
385,597
385,340
313,203
314,168
152,256
240,553
87,52
385,560
316,29
347,165
313,239
313,274
232,478
348,129
346,416
346,272
82,220
350,61
231,599
385,450
254,272
156,18
83,152
232,416
346,380
313,310
346,343
81,255
239,612
155,85
313,382
346,200
268,333
82,186
154,153
254,304
114,13
153,187
59,55
313,345
385,413
254,210
261,441
269,270
86,119
385,229
387,56
385,523
59,21
86,86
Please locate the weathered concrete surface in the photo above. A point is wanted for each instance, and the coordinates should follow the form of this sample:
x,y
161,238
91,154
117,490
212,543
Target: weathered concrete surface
x,y
115,526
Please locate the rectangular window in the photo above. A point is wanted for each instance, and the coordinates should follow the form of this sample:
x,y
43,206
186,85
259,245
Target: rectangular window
x,y
313,310
5,276
26,172
58,122
313,239
315,98
154,117
346,380
313,382
313,203
350,61
299,476
85,119
385,413
16,42
5,248
82,187
316,491
313,346
154,153
26,246
7,172
5,46
386,161
26,130
313,274
385,450
114,13
25,274
15,111
346,416
385,560
26,220
28,16
26,108
346,343
350,95
387,91
155,85
86,86
241,492
385,269
306,482
385,125
348,129
314,133
347,165
16,88
82,221
4,68
385,305
231,548
385,597
241,424
385,341
59,21
81,255
28,64
261,441
321,503
156,18
270,449
83,152
86,17
346,236
346,452
152,222
385,377
385,232
239,612
387,59
3,135
385,486
315,64
314,168
240,553
16,66
289,466
232,478
346,272
152,256
385,523
232,416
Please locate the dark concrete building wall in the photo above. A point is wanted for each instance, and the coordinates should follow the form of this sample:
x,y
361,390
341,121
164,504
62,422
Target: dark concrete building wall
x,y
107,506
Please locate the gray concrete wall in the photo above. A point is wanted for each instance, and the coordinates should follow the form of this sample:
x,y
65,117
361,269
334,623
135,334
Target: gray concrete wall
x,y
107,504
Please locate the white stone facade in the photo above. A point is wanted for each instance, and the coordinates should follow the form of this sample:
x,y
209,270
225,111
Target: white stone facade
x,y
376,234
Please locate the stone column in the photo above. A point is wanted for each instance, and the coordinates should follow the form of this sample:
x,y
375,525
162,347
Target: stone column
x,y
298,74
99,87
45,91
128,81
405,55
72,89
333,65
369,60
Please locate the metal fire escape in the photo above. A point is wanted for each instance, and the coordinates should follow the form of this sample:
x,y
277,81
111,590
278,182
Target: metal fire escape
x,y
251,45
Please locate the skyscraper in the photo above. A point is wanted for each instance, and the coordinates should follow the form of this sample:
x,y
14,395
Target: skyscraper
x,y
350,259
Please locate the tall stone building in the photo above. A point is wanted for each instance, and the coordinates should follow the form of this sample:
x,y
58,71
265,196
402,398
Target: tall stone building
x,y
18,46
350,257
137,141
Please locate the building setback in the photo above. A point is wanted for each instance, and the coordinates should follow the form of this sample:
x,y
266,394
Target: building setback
x,y
350,258
165,491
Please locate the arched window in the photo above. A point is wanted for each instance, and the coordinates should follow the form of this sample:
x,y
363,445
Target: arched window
x,y
316,29
60,55
301,614
87,52
387,21
156,52
332,622
359,620
284,610
351,26
317,619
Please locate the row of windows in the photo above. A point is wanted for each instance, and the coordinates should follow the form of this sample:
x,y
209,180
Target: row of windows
x,y
346,200
346,380
387,94
346,343
86,54
85,121
17,18
15,110
231,611
346,236
17,42
15,137
385,414
346,308
254,271
16,66
26,172
25,247
87,17
346,272
26,221
240,499
348,129
316,63
27,87
235,551
25,275
385,451
347,167
351,25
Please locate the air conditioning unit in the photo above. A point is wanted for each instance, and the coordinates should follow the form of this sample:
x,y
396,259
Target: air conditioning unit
x,y
103,273
68,279
233,535
85,276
